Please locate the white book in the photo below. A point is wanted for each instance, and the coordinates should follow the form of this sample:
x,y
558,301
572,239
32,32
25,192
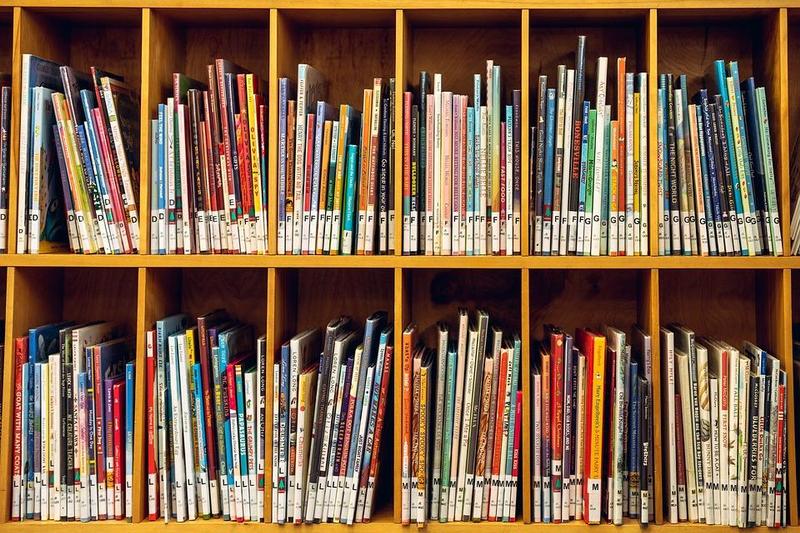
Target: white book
x,y
466,425
484,182
705,429
629,140
184,219
644,171
558,158
249,383
438,156
599,153
186,425
744,425
177,432
430,141
332,478
44,493
714,392
616,341
55,435
441,378
733,435
718,366
567,168
682,361
773,435
537,447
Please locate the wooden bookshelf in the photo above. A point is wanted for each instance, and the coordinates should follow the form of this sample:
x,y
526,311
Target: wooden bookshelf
x,y
352,41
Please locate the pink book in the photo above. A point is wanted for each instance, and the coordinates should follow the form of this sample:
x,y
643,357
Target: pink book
x,y
502,188
515,460
455,217
447,174
463,178
429,124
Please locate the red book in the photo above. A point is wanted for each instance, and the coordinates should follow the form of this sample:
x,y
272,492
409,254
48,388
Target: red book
x,y
372,187
309,174
409,341
20,358
223,66
515,460
152,468
375,461
119,449
464,159
680,458
111,171
556,338
498,430
780,445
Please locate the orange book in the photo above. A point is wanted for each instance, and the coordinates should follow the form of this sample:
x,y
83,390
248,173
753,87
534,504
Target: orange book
x,y
594,346
323,184
363,184
409,340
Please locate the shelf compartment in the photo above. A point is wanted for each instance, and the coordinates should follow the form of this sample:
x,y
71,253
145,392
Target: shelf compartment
x,y
689,41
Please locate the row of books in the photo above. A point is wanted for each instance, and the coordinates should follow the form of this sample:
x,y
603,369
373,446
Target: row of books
x,y
206,400
462,175
725,432
592,426
208,191
461,421
335,192
590,173
716,175
5,156
78,160
330,401
73,423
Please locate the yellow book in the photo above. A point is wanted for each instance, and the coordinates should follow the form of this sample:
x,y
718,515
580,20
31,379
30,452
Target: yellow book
x,y
255,164
336,223
305,418
422,465
363,184
323,184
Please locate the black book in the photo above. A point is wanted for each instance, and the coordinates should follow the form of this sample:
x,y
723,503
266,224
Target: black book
x,y
719,183
415,177
577,132
540,141
384,190
644,431
531,171
424,89
712,159
516,125
756,159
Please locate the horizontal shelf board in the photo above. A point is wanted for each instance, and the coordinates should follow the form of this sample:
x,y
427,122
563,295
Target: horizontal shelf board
x,y
396,261
412,4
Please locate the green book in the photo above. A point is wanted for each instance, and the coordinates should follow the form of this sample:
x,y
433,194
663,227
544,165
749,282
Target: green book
x,y
587,235
606,191
447,437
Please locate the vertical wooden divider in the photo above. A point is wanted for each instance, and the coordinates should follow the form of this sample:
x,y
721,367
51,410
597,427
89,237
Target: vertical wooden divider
x,y
402,64
651,64
774,333
140,409
525,335
402,315
776,80
525,39
7,398
147,100
648,315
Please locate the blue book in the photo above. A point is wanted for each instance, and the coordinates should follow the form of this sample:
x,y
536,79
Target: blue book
x,y
82,387
704,178
385,340
283,453
36,427
722,87
240,416
325,111
283,99
759,189
733,68
130,408
162,180
471,189
476,82
348,217
202,450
